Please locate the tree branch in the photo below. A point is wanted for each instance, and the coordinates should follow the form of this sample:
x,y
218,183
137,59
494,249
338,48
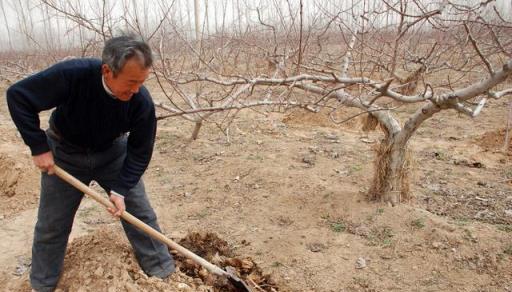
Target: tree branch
x,y
468,111
500,94
477,49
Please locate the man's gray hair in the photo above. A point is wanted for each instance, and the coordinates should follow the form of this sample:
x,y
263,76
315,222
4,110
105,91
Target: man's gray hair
x,y
120,49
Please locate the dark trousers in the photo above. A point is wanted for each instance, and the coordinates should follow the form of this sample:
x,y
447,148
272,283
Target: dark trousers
x,y
59,202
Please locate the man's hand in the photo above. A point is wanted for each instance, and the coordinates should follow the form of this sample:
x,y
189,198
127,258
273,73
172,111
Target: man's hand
x,y
44,162
118,203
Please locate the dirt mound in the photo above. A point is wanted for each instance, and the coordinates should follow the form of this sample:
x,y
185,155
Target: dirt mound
x,y
216,251
18,184
104,261
494,140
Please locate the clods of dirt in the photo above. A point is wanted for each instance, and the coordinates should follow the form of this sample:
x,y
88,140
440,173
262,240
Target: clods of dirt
x,y
9,175
17,179
217,251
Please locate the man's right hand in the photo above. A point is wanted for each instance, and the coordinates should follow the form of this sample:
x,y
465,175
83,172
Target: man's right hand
x,y
44,162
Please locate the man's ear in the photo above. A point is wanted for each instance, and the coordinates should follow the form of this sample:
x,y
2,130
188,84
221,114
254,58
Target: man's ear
x,y
105,70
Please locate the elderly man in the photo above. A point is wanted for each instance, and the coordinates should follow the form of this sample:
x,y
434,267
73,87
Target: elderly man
x,y
103,129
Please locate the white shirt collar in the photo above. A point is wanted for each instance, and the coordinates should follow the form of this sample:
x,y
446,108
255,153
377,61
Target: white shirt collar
x,y
106,87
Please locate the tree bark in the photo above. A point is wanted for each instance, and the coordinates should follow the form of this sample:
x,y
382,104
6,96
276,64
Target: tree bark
x,y
391,171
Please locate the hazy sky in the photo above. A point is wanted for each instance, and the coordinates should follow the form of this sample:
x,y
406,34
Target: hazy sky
x,y
27,23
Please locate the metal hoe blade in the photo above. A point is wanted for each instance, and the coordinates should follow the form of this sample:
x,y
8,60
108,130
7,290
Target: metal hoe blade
x,y
238,283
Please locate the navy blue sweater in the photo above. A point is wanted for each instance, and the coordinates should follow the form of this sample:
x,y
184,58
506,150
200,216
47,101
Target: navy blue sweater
x,y
85,115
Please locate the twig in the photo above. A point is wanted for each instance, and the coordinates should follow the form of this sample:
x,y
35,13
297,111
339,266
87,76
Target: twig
x,y
477,49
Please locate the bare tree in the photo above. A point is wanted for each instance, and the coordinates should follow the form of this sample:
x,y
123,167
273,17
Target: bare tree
x,y
385,65
6,23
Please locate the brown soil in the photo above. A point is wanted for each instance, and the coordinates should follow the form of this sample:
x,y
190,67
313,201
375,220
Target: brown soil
x,y
495,140
17,189
283,200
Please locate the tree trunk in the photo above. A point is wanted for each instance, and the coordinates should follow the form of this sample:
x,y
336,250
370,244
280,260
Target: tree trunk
x,y
391,173
196,20
197,127
392,164
506,144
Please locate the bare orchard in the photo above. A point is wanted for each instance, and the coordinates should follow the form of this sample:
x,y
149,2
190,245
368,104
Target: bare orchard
x,y
361,146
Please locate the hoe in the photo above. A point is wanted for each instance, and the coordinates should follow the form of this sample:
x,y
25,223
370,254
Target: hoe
x,y
239,284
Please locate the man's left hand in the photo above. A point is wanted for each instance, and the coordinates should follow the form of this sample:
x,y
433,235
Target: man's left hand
x,y
118,203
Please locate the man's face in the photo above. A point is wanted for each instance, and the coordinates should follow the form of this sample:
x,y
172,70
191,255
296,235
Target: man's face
x,y
128,80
